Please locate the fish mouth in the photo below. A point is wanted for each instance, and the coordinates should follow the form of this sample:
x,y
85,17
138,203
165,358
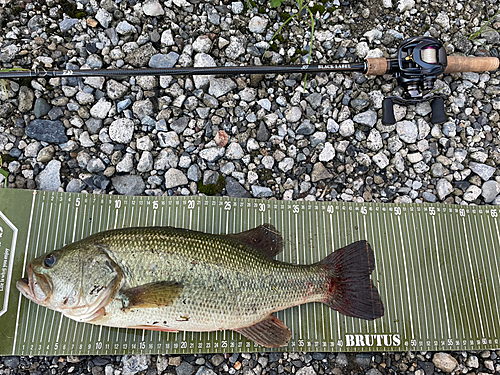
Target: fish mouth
x,y
35,287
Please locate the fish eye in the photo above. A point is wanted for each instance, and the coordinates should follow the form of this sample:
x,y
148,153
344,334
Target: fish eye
x,y
49,261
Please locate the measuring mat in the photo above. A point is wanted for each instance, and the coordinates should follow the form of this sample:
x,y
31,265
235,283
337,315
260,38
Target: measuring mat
x,y
437,271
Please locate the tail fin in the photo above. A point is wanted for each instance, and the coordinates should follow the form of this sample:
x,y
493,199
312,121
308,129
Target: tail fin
x,y
351,291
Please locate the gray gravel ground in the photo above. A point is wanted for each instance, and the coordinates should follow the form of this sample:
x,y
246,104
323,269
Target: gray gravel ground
x,y
248,136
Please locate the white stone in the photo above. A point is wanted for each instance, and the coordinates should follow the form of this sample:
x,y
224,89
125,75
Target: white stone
x,y
257,25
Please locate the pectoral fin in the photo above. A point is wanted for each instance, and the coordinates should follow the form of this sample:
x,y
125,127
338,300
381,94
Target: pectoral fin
x,y
158,294
271,332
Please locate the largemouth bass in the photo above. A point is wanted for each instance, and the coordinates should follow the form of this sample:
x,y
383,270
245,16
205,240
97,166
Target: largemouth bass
x,y
171,279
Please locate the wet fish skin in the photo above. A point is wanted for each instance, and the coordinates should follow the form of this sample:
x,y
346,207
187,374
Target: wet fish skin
x,y
173,279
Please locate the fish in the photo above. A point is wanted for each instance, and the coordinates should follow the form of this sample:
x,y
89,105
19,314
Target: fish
x,y
173,279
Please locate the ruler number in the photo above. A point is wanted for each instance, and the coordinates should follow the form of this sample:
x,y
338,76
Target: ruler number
x,y
494,212
77,202
190,204
98,345
184,345
397,211
227,206
295,208
118,204
142,345
461,212
432,211
364,210
262,207
329,209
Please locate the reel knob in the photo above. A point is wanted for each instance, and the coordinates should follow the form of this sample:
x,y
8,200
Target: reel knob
x,y
388,112
438,112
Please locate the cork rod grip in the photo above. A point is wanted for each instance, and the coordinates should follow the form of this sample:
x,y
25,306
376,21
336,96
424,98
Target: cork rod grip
x,y
471,64
376,66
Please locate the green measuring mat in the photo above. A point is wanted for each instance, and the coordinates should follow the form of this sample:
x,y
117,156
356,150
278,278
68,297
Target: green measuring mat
x,y
437,271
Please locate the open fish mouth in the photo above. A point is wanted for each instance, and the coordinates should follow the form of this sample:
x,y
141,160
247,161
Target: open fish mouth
x,y
24,287
35,287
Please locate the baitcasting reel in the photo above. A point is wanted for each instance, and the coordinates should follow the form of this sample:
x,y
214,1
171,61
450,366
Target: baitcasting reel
x,y
420,61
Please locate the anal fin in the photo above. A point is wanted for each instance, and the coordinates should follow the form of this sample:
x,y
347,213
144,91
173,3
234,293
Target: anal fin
x,y
270,332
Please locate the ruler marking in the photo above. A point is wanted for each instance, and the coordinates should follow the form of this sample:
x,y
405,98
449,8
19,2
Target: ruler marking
x,y
55,240
405,267
388,246
47,236
484,267
28,235
496,260
472,277
331,248
396,266
440,219
466,275
441,283
383,292
340,244
420,273
454,314
451,229
426,267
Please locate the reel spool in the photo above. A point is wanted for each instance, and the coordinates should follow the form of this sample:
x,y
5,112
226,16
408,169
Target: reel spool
x,y
420,61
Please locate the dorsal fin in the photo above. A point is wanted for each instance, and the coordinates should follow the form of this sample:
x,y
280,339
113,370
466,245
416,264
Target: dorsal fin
x,y
265,238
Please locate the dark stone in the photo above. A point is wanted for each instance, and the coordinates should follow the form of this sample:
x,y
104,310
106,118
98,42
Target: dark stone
x,y
72,81
275,357
364,360
91,47
318,356
41,107
6,110
94,125
462,185
306,128
47,131
180,124
100,361
262,133
360,104
184,369
428,367
15,152
56,113
235,189
12,362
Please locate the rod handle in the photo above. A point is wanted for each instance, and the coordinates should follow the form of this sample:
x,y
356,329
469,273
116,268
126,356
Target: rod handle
x,y
471,64
376,66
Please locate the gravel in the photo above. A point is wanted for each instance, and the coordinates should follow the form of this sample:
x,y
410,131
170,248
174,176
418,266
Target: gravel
x,y
266,136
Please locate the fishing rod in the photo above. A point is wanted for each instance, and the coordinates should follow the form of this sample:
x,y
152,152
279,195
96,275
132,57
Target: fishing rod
x,y
419,62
